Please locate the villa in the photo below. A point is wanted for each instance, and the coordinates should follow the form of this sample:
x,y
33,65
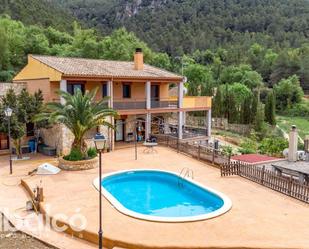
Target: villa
x,y
139,92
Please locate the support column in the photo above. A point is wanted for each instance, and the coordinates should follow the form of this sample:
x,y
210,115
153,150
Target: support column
x,y
208,122
180,124
180,94
111,132
180,113
148,94
184,118
110,93
63,87
148,125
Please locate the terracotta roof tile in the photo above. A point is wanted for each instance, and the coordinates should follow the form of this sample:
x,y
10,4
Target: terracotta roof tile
x,y
93,67
255,158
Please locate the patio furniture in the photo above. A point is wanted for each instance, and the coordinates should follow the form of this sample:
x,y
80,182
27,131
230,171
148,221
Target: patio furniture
x,y
150,147
130,137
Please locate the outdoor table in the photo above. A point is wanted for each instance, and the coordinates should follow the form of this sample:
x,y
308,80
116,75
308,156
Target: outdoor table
x,y
150,147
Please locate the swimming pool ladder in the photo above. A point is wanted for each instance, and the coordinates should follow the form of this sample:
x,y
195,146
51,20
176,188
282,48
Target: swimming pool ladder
x,y
184,173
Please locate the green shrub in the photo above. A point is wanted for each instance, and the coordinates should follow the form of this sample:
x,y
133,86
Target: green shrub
x,y
92,152
273,146
248,146
75,155
299,110
227,150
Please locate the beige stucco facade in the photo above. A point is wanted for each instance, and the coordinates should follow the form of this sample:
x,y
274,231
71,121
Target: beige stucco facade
x,y
141,103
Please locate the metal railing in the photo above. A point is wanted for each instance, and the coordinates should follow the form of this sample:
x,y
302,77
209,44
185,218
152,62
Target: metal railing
x,y
198,151
125,104
140,103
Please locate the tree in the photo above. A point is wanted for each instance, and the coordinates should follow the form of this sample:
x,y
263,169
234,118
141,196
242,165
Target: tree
x,y
247,110
241,74
288,92
270,107
259,118
200,80
80,113
254,104
217,105
25,106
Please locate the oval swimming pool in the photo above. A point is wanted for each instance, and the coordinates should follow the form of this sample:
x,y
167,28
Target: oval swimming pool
x,y
158,195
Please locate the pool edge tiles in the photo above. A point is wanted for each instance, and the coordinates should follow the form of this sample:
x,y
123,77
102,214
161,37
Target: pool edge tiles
x,y
227,204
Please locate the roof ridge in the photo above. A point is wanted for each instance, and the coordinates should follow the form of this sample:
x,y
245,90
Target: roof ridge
x,y
89,66
80,58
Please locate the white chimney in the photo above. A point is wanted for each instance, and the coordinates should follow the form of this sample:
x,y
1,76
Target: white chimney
x,y
293,140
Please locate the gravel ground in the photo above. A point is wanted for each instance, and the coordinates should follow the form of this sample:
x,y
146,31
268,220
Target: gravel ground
x,y
19,240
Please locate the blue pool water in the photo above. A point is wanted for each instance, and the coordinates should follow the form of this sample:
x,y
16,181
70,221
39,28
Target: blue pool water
x,y
162,194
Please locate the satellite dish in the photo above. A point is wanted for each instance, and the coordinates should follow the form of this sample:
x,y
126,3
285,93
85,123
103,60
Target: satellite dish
x,y
47,169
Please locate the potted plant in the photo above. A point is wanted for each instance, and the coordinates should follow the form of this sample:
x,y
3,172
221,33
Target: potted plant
x,y
79,113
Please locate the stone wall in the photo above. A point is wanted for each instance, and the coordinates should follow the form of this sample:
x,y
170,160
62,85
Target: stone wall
x,y
218,123
53,137
4,87
61,138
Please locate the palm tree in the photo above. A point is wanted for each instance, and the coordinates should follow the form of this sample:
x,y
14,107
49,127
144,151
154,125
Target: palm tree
x,y
80,113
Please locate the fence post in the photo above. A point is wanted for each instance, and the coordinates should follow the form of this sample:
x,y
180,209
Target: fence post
x,y
177,145
262,175
290,185
213,155
221,169
199,152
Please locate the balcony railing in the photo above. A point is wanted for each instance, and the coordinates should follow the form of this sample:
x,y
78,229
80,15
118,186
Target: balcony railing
x,y
195,102
127,104
164,103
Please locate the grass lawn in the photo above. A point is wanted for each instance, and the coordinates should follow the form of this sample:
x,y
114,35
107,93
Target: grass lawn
x,y
302,124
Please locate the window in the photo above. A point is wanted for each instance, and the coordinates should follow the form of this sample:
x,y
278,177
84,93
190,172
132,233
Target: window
x,y
30,129
155,92
73,87
126,91
104,90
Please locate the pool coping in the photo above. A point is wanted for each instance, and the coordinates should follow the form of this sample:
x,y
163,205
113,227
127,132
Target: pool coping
x,y
115,203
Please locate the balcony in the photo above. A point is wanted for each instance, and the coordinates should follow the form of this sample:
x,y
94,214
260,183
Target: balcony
x,y
129,104
195,102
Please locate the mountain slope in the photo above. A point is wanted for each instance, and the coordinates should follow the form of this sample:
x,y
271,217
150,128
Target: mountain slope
x,y
177,26
40,12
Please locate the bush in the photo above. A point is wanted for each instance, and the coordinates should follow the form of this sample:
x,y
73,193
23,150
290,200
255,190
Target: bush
x,y
248,146
299,110
75,155
273,146
92,152
227,150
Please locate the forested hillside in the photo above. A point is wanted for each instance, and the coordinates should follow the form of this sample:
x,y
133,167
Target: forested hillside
x,y
43,13
177,26
269,36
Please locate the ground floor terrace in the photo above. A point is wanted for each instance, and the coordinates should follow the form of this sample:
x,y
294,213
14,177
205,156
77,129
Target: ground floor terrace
x,y
142,126
259,218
